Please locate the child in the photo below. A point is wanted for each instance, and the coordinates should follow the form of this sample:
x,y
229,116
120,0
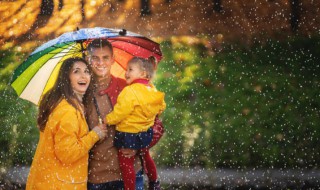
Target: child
x,y
134,114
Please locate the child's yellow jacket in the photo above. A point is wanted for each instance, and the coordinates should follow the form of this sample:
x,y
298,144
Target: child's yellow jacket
x,y
61,158
136,108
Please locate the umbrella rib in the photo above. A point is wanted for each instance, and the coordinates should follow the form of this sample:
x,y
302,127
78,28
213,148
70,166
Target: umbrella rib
x,y
136,44
72,51
63,47
67,53
60,56
150,50
134,55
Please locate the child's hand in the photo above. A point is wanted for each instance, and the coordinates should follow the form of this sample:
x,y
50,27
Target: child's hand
x,y
127,152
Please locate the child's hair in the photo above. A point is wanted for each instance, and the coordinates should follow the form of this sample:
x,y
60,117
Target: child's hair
x,y
148,65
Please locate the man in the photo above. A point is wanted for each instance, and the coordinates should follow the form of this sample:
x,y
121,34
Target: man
x,y
104,171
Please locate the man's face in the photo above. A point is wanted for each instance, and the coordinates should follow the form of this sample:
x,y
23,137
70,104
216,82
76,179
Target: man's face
x,y
101,60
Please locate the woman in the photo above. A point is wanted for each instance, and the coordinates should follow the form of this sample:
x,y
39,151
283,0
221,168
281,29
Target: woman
x,y
61,158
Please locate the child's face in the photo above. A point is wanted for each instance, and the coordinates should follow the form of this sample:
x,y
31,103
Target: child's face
x,y
134,72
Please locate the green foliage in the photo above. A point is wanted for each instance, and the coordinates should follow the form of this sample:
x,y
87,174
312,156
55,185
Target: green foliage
x,y
18,132
256,107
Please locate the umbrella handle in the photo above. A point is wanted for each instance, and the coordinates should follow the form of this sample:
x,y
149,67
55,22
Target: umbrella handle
x,y
100,120
98,110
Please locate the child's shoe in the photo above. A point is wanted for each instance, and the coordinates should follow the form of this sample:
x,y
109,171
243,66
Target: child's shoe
x,y
154,185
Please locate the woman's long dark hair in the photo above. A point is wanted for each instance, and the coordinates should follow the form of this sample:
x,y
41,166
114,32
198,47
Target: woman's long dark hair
x,y
62,89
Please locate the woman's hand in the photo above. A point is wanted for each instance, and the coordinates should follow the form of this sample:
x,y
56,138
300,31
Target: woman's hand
x,y
101,131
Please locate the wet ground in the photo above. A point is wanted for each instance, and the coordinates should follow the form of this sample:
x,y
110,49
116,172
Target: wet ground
x,y
197,178
240,179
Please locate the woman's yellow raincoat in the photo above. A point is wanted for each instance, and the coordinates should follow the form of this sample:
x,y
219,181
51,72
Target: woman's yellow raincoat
x,y
61,158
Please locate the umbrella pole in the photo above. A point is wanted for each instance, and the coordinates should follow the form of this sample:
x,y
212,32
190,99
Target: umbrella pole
x,y
82,51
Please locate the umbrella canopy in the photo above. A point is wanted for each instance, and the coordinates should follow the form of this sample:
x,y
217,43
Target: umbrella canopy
x,y
37,74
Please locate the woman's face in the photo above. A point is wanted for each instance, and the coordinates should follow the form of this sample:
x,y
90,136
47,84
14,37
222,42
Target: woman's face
x,y
79,77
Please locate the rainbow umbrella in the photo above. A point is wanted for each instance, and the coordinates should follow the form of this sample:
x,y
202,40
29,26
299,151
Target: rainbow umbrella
x,y
37,74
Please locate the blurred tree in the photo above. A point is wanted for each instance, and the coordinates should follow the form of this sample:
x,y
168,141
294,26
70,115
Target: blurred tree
x,y
60,5
217,6
18,131
295,14
145,8
82,10
46,7
242,107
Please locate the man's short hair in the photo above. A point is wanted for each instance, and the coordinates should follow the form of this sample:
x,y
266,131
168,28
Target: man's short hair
x,y
99,43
